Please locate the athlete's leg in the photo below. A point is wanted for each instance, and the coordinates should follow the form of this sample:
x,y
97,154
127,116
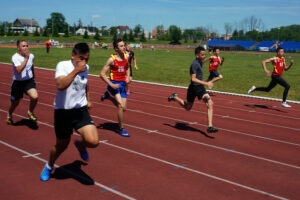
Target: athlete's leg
x,y
286,86
12,107
185,104
209,103
89,136
217,78
60,146
272,84
32,93
121,102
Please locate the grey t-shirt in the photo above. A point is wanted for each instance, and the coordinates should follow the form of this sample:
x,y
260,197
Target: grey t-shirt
x,y
196,68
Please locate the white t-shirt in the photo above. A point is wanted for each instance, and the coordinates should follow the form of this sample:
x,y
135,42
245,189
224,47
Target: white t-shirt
x,y
75,95
26,73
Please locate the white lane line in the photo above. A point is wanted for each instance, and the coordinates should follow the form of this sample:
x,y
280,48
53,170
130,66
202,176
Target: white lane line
x,y
159,160
77,175
174,119
197,172
45,69
192,141
31,155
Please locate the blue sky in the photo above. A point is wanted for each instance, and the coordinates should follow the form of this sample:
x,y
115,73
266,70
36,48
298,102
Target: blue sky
x,y
150,13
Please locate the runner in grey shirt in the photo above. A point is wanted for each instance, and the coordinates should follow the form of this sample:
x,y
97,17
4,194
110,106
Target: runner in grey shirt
x,y
197,89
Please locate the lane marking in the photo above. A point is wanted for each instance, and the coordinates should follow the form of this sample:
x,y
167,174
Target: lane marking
x,y
31,155
77,175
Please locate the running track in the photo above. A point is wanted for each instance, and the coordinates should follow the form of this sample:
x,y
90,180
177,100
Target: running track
x,y
255,154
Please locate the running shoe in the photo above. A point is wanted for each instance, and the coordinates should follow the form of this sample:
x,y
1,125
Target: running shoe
x,y
123,132
212,129
31,116
45,175
251,89
9,120
104,96
171,98
284,104
83,152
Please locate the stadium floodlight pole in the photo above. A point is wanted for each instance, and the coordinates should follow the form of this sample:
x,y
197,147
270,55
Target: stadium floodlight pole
x,y
278,34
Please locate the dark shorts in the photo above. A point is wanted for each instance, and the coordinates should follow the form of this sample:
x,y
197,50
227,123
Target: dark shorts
x,y
195,91
213,74
67,120
18,88
121,90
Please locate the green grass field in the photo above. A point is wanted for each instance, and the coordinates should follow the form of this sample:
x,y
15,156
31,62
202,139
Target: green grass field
x,y
240,70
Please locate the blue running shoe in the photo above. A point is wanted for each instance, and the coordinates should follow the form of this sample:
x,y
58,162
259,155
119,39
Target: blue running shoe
x,y
83,152
105,96
123,132
45,175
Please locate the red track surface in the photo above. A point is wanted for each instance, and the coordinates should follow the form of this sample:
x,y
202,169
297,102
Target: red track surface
x,y
255,155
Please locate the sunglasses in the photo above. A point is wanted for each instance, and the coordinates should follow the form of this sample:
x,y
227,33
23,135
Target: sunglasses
x,y
25,45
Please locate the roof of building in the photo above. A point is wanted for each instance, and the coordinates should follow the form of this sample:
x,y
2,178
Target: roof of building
x,y
26,22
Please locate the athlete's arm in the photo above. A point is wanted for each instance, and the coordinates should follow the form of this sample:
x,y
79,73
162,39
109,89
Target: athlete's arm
x,y
89,103
134,60
63,82
195,80
288,67
222,61
21,67
128,75
205,60
32,69
265,67
106,67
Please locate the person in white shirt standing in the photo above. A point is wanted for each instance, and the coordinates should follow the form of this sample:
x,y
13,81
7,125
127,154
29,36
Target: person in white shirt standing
x,y
23,80
71,108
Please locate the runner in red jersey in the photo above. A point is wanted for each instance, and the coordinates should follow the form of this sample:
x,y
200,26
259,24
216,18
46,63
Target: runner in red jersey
x,y
279,65
215,62
119,78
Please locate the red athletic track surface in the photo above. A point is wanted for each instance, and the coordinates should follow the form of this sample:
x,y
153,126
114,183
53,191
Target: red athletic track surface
x,y
255,154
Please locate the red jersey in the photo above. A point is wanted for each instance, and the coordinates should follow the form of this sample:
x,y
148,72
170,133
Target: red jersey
x,y
278,66
214,63
118,70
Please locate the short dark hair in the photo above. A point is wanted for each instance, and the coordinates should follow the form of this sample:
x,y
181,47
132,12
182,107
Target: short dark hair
x,y
19,41
278,49
81,48
215,49
116,42
198,49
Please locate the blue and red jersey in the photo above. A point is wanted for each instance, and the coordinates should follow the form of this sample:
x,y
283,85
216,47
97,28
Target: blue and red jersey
x,y
278,66
214,63
118,70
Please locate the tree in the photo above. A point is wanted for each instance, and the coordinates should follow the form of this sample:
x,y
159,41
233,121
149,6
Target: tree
x,y
66,30
228,28
137,29
142,37
45,33
36,32
56,21
97,36
175,34
2,31
9,32
55,32
25,33
125,37
16,33
86,35
131,36
160,32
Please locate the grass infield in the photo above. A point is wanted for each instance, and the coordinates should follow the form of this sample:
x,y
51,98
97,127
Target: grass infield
x,y
240,70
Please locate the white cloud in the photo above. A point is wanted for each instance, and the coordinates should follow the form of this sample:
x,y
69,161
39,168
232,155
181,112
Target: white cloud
x,y
96,16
